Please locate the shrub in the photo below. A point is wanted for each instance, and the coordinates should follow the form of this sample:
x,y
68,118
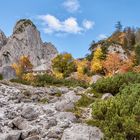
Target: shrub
x,y
115,83
84,101
21,81
43,80
119,117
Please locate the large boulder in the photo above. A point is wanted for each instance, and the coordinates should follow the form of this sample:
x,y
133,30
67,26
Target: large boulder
x,y
8,72
95,78
82,132
29,113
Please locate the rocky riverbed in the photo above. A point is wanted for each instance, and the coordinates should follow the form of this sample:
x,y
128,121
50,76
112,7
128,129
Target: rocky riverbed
x,y
31,113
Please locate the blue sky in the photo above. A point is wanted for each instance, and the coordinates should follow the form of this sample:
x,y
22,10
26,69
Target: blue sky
x,y
71,25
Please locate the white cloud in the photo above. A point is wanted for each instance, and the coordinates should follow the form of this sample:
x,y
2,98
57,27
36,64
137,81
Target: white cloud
x,y
101,36
88,24
69,25
71,5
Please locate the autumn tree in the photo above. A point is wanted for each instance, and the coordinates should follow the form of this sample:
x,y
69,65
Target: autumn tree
x,y
83,67
112,63
96,63
22,66
126,66
63,65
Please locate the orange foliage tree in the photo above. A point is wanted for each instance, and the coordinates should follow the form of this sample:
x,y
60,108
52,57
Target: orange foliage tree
x,y
114,64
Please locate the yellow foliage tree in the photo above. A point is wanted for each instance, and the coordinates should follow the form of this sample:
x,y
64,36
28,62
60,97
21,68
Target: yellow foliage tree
x,y
18,69
23,65
82,66
96,63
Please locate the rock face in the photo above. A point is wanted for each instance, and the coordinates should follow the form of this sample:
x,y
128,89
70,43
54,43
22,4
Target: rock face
x,y
118,49
26,40
24,114
3,39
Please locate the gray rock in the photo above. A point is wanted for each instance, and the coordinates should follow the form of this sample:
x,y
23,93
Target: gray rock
x,y
50,123
29,113
63,90
67,101
53,90
107,96
95,78
71,96
82,132
55,132
32,131
19,123
8,72
78,89
65,117
15,135
64,105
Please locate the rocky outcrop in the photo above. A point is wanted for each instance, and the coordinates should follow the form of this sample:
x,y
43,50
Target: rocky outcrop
x,y
3,39
37,113
118,49
26,40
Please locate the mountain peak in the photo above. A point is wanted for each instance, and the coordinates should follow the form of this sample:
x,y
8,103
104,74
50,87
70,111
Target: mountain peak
x,y
22,24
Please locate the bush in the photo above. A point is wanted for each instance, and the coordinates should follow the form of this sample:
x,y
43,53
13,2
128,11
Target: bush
x,y
21,81
119,117
115,83
43,80
1,77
